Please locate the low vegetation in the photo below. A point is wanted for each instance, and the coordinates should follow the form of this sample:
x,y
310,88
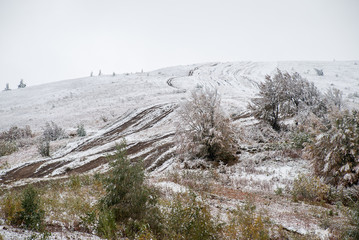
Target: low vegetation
x,y
81,132
309,188
13,139
123,204
128,201
334,152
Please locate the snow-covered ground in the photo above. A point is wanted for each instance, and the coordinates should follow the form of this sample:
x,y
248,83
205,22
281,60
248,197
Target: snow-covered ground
x,y
141,107
105,102
87,100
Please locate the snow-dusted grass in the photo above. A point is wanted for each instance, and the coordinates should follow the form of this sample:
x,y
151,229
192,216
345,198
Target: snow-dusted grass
x,y
103,103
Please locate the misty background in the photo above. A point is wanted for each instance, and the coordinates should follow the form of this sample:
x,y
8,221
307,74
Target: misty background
x,y
46,40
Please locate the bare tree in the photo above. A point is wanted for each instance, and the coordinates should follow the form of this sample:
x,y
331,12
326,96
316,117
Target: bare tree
x,y
204,131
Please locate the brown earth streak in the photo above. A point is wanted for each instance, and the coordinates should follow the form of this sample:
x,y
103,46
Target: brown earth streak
x,y
118,132
148,157
133,125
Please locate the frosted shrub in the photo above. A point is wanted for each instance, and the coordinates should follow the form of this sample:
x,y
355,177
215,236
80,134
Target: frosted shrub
x,y
335,152
309,188
15,133
6,147
53,132
334,97
319,71
81,132
299,139
22,84
44,148
204,131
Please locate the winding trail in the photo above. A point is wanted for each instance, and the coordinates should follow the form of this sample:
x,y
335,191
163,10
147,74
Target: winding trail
x,y
170,83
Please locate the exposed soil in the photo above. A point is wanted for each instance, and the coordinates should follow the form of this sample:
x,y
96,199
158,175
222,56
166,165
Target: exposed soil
x,y
139,122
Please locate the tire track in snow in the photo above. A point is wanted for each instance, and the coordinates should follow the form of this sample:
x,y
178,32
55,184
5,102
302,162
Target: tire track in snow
x,y
134,124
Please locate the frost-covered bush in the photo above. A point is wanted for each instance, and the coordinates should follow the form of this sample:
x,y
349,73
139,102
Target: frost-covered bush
x,y
285,95
9,140
310,188
6,147
44,148
335,152
299,139
81,132
260,133
22,84
205,132
53,132
15,133
319,71
334,97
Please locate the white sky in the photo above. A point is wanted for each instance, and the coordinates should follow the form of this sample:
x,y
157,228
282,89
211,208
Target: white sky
x,y
47,40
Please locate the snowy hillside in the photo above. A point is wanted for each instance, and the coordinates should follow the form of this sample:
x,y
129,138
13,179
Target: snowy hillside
x,y
142,108
87,99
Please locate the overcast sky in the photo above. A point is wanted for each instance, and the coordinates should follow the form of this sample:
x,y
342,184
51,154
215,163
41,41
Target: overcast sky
x,y
47,40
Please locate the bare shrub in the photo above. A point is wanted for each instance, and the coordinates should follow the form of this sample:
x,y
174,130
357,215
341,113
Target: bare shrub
x,y
204,131
53,132
15,133
334,97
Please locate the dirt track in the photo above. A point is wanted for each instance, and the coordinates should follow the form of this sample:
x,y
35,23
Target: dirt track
x,y
136,122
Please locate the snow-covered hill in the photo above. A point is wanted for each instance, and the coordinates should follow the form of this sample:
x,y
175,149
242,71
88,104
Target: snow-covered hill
x,y
141,107
89,99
